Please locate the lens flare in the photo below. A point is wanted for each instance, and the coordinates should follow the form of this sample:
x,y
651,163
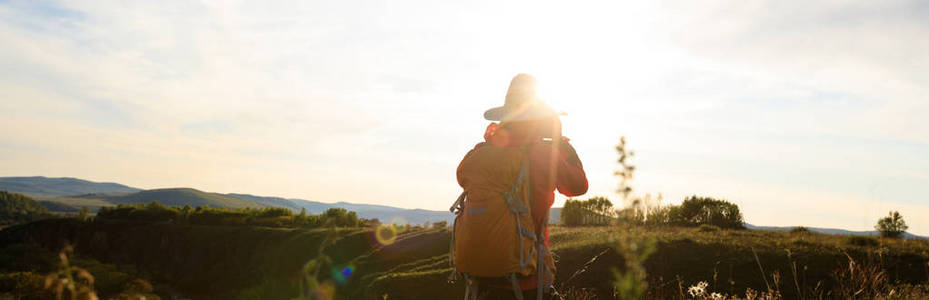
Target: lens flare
x,y
399,224
340,275
385,235
348,270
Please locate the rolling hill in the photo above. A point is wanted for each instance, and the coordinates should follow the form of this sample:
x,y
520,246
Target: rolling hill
x,y
367,211
45,186
70,194
67,195
179,197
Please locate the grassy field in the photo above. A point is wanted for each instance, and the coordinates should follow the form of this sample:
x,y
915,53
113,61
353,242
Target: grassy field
x,y
792,264
250,262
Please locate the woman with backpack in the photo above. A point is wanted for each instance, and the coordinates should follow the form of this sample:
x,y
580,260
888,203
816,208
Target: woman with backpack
x,y
500,235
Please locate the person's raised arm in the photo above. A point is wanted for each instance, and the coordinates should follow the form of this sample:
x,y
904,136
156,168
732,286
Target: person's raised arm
x,y
570,179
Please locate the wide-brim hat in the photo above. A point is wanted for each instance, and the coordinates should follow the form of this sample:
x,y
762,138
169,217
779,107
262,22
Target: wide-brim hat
x,y
522,103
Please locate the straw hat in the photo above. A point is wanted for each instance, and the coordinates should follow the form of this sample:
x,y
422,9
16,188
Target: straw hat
x,y
522,103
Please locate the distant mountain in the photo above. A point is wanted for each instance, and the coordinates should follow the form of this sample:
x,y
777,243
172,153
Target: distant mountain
x,y
828,231
368,211
44,186
70,194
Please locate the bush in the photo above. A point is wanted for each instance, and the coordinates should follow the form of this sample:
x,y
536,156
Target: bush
x,y
800,229
695,211
861,240
439,225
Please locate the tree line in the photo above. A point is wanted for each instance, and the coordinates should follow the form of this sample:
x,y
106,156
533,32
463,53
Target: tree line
x,y
693,211
205,215
18,208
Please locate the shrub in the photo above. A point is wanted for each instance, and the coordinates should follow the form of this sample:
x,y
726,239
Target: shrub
x,y
800,229
892,225
861,240
705,210
439,225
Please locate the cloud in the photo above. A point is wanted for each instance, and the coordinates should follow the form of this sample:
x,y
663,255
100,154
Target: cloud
x,y
377,101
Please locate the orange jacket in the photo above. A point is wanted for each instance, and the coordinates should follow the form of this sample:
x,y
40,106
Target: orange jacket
x,y
552,165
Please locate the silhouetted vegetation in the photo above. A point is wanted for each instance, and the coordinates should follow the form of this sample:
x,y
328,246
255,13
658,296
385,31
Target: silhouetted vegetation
x,y
30,272
439,225
204,215
594,211
18,208
891,226
696,211
800,230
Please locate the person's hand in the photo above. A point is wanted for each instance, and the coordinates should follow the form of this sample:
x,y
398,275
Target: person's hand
x,y
496,135
490,131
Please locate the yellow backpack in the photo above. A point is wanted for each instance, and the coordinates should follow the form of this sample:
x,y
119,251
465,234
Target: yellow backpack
x,y
494,234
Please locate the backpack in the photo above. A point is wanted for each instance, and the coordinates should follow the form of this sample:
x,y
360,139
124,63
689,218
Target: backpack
x,y
494,234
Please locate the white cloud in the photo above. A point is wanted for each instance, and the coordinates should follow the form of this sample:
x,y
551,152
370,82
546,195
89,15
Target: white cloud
x,y
376,101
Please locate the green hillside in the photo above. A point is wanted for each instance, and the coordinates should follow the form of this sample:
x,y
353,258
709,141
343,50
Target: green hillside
x,y
55,187
179,197
252,262
72,204
17,208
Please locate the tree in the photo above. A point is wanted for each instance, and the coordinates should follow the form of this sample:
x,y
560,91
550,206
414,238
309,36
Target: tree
x,y
18,208
892,225
439,225
83,214
696,211
594,211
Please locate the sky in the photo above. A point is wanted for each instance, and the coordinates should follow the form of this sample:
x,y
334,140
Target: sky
x,y
801,112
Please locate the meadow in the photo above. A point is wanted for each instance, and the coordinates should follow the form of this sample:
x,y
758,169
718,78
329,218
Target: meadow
x,y
258,262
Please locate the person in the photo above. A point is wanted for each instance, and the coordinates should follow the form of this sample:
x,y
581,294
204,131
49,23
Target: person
x,y
553,164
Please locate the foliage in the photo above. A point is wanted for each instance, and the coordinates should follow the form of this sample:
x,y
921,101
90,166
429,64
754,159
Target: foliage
x,y
892,225
18,208
637,210
222,262
23,285
594,211
30,272
204,215
83,214
632,281
75,282
310,285
800,229
439,225
695,211
626,169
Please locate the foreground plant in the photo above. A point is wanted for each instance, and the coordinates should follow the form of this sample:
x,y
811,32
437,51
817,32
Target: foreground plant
x,y
632,283
70,281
